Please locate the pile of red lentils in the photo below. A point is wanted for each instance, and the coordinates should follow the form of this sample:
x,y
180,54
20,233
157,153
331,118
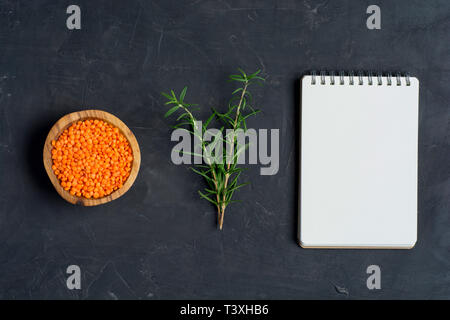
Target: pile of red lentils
x,y
91,159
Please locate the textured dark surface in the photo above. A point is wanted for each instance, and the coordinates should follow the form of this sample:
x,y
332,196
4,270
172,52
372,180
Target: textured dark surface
x,y
159,240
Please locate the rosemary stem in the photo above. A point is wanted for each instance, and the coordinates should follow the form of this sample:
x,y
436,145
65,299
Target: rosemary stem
x,y
233,137
238,111
221,217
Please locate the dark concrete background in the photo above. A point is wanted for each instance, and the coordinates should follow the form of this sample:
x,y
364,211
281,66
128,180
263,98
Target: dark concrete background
x,y
159,240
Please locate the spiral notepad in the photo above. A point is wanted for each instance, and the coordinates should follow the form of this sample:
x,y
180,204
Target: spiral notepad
x,y
358,176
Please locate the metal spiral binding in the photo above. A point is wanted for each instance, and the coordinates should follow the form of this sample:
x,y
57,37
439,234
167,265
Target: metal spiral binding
x,y
360,77
343,76
332,77
380,78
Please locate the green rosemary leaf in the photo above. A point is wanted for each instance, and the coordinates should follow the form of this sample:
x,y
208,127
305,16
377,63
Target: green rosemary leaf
x,y
244,103
235,179
221,168
171,110
237,78
179,125
190,104
251,114
259,78
204,175
166,95
235,170
206,197
237,187
245,125
183,115
238,90
210,191
230,193
183,94
225,118
207,122
219,179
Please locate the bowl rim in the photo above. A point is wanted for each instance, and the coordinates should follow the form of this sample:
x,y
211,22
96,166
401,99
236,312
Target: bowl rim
x,y
67,120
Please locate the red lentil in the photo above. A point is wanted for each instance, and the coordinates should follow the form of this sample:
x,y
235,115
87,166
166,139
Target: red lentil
x,y
91,159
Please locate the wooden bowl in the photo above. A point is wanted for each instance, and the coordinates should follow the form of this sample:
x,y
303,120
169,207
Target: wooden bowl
x,y
63,124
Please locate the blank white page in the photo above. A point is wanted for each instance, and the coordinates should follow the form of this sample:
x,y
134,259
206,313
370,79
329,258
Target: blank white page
x,y
358,177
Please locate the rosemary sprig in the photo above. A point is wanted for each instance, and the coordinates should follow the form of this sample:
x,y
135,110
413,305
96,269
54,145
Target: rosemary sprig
x,y
221,176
